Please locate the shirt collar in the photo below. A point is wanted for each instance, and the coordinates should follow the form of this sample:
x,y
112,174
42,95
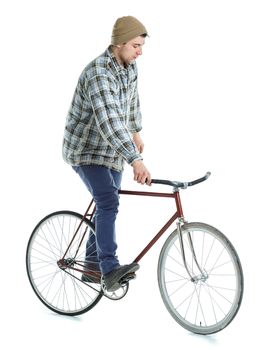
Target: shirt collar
x,y
118,67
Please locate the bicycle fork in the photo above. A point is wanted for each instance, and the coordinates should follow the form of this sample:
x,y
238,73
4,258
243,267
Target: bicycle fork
x,y
203,276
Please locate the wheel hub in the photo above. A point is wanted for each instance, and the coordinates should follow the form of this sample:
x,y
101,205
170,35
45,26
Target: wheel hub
x,y
64,263
202,277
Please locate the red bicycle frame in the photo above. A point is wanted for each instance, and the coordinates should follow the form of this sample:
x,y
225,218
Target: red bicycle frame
x,y
176,215
64,263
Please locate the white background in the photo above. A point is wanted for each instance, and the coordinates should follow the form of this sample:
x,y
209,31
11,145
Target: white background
x,y
205,83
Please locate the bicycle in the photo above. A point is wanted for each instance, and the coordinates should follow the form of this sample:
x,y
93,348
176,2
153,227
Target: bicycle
x,y
199,272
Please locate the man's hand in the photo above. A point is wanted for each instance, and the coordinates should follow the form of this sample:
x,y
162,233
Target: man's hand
x,y
138,142
141,173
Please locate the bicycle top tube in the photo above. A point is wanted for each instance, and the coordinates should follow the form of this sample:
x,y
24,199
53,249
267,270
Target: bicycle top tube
x,y
182,185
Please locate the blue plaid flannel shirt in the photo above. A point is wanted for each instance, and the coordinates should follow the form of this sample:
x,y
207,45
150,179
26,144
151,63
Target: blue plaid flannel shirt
x,y
103,115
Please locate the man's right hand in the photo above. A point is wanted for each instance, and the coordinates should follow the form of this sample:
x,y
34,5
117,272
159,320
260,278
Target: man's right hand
x,y
141,173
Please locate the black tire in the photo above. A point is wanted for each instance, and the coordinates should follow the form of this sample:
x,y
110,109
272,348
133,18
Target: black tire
x,y
61,289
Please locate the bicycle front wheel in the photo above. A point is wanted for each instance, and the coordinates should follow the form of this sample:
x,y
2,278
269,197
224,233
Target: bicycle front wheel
x,y
204,296
55,276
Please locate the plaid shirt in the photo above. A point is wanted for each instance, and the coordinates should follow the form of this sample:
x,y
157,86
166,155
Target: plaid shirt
x,y
103,114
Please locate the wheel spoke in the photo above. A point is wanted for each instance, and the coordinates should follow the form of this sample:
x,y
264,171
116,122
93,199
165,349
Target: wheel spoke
x,y
199,305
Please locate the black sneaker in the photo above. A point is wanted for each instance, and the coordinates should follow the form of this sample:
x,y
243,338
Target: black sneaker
x,y
112,279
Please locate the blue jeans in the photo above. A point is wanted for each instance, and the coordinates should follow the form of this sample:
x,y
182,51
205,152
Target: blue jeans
x,y
103,184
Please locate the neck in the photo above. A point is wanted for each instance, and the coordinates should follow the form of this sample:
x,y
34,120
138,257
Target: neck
x,y
115,51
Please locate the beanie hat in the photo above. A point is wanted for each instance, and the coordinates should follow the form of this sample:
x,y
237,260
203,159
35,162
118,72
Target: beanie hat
x,y
125,29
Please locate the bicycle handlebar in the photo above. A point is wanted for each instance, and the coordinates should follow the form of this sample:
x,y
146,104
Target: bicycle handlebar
x,y
182,185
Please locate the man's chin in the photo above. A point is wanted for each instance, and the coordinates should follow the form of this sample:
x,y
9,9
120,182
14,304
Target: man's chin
x,y
130,61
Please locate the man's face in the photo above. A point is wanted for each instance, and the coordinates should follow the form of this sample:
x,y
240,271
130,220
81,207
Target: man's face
x,y
130,51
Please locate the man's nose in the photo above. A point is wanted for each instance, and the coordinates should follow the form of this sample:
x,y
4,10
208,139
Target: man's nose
x,y
139,51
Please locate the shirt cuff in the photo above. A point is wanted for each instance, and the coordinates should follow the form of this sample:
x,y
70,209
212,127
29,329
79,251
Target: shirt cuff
x,y
136,156
135,130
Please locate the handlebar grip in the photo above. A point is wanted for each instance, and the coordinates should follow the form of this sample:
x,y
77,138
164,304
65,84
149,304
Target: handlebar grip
x,y
204,178
178,184
162,182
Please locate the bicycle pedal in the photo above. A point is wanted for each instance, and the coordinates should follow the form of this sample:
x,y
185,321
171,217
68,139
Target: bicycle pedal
x,y
127,278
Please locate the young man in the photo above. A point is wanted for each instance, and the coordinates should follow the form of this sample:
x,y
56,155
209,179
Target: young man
x,y
101,132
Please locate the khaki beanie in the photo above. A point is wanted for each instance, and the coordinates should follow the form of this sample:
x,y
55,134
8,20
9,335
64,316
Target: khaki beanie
x,y
125,29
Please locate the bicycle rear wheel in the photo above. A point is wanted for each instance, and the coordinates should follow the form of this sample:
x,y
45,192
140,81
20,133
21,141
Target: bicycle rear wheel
x,y
57,281
203,302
